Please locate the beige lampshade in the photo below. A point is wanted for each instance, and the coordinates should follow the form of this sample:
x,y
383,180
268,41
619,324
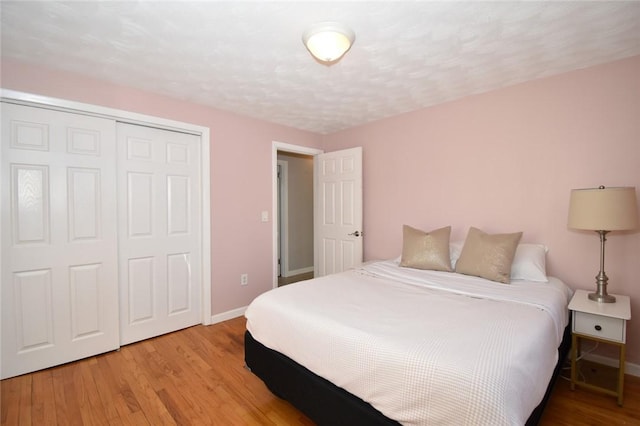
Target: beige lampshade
x,y
603,209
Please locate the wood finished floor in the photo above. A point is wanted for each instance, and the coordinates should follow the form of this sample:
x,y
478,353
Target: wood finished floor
x,y
294,278
197,376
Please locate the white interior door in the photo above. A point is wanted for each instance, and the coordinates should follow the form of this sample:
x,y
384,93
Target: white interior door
x,y
337,211
160,235
59,247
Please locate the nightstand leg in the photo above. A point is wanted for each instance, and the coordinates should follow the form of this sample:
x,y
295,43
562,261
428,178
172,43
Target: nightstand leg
x,y
621,374
574,359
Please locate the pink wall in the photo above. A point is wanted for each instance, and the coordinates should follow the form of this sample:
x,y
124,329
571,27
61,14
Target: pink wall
x,y
240,171
506,161
502,161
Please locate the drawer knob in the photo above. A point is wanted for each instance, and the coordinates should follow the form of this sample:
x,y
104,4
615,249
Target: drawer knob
x,y
597,327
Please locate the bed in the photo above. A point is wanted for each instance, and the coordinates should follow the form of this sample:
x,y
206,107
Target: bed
x,y
388,344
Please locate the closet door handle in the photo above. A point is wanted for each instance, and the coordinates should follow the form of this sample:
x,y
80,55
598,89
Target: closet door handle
x,y
355,234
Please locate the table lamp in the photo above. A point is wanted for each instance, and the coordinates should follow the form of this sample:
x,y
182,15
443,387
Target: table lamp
x,y
603,210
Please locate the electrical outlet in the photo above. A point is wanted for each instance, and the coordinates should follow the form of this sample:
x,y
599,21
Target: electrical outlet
x,y
244,279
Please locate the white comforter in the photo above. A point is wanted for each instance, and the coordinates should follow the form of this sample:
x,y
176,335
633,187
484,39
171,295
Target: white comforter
x,y
422,347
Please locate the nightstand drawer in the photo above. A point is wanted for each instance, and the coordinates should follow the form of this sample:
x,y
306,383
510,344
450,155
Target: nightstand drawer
x,y
599,326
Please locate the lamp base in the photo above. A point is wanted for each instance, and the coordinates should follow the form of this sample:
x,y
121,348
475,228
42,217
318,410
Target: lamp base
x,y
601,295
602,298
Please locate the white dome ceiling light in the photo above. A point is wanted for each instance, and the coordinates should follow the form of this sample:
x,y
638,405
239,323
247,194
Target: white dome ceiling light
x,y
328,41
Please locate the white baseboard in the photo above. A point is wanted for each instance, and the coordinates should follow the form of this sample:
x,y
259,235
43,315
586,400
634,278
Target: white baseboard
x,y
297,271
629,368
224,316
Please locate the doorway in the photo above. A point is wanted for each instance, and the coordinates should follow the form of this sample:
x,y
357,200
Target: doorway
x,y
292,212
295,217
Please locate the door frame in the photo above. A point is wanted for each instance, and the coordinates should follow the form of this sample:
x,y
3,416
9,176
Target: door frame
x,y
284,147
282,216
29,99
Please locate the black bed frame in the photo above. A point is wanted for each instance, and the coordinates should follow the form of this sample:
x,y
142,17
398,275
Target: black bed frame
x,y
327,404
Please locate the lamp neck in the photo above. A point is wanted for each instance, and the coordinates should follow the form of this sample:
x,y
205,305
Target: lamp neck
x,y
603,239
601,279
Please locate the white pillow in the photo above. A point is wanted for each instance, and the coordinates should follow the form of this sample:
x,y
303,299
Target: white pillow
x,y
529,262
455,248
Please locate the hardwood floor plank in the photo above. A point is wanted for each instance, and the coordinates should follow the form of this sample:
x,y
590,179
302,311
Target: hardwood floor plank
x,y
583,407
184,349
140,388
107,394
11,402
114,391
43,406
59,396
26,384
74,395
176,411
197,376
93,411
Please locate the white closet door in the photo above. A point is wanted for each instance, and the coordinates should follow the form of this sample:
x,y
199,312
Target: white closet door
x,y
160,231
59,238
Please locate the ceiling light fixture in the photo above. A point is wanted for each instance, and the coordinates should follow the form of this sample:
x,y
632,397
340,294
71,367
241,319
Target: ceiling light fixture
x,y
328,41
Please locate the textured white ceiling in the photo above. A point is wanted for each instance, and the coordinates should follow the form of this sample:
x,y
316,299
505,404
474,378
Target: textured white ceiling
x,y
247,57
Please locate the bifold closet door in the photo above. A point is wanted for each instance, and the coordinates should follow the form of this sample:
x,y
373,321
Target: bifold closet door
x,y
59,238
159,211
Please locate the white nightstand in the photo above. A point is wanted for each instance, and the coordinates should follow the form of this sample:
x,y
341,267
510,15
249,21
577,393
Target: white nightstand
x,y
600,322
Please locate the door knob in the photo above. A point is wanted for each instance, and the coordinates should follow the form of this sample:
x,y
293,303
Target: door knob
x,y
355,234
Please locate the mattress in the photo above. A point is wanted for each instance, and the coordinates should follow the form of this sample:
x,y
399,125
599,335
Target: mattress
x,y
422,347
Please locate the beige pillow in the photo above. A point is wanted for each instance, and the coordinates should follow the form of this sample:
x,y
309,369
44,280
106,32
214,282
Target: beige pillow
x,y
488,256
426,250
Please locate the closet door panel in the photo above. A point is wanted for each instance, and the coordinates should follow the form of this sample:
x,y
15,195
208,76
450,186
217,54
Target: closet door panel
x,y
140,204
160,249
33,310
84,204
30,203
85,282
59,238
